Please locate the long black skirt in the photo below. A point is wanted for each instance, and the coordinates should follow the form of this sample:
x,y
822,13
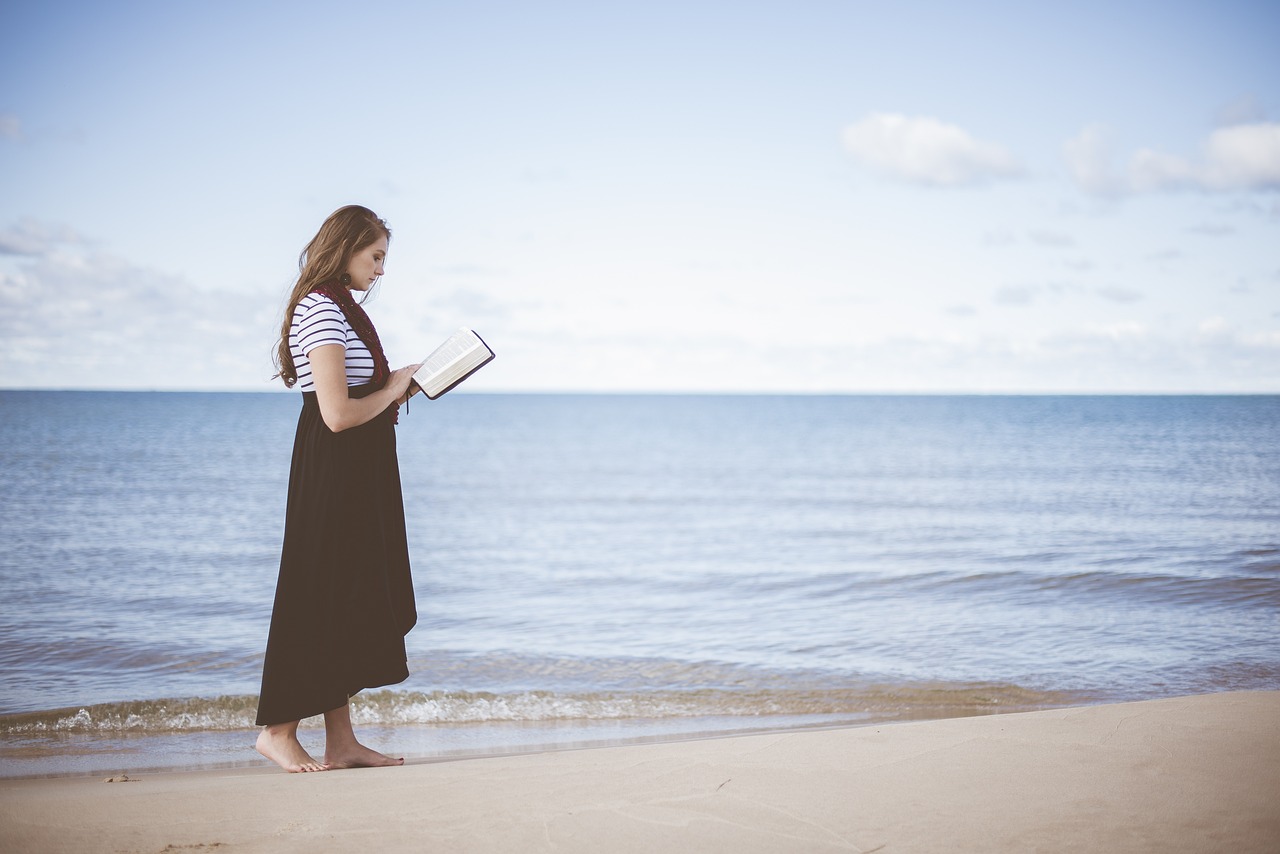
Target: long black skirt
x,y
344,598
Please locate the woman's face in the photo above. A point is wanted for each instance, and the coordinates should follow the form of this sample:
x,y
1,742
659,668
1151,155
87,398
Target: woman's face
x,y
366,265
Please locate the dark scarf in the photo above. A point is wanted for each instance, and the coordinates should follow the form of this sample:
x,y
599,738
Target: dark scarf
x,y
363,327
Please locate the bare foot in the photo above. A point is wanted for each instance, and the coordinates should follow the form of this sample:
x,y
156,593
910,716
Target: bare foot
x,y
283,748
356,755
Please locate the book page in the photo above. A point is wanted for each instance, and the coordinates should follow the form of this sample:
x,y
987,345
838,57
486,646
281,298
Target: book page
x,y
453,361
452,350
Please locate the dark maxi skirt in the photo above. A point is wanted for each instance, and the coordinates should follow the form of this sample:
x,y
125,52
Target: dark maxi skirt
x,y
344,599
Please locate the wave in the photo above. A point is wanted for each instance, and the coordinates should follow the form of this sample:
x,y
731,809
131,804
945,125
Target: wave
x,y
389,707
1111,588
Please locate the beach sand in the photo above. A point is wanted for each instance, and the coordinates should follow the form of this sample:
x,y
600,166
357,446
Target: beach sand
x,y
1186,774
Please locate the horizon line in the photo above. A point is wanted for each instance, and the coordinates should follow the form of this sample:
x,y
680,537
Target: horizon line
x,y
703,392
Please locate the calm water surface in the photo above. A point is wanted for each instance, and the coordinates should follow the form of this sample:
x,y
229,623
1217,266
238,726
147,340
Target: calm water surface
x,y
644,566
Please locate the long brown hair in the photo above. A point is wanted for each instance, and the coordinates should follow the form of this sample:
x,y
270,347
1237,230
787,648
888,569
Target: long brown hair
x,y
347,230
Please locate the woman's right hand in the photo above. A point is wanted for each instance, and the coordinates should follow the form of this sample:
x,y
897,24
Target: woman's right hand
x,y
398,382
339,410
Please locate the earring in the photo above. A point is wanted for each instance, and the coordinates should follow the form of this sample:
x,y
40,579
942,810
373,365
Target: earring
x,y
345,280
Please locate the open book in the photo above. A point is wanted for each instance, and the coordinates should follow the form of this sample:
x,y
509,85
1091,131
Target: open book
x,y
452,362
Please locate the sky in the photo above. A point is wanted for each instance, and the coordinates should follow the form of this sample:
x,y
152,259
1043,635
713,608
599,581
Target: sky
x,y
810,197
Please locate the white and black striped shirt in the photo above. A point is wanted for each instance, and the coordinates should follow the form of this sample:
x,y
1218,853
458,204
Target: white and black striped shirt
x,y
318,321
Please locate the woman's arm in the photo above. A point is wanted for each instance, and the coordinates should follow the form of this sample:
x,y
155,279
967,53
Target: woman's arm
x,y
339,411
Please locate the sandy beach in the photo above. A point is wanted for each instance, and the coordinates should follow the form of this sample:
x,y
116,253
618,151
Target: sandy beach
x,y
1196,773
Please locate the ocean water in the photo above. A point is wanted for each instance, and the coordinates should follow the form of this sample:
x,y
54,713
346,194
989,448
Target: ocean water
x,y
597,568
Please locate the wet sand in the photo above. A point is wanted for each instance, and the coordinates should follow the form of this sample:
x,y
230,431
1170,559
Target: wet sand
x,y
1189,774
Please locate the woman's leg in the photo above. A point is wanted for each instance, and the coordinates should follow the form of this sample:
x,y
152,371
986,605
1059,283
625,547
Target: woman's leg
x,y
341,750
279,743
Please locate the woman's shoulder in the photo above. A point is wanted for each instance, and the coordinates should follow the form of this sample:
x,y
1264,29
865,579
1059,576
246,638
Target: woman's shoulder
x,y
316,298
315,305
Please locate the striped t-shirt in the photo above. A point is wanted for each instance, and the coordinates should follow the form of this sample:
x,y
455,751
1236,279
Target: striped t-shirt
x,y
318,321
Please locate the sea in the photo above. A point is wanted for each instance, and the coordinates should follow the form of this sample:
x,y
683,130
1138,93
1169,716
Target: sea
x,y
601,569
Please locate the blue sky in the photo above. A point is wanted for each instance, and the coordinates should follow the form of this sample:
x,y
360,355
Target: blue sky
x,y
697,196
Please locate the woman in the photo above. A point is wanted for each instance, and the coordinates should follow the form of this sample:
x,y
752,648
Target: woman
x,y
344,599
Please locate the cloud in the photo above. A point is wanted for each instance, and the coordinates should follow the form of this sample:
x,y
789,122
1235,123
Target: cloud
x,y
467,269
33,238
71,317
468,302
1218,335
1051,238
10,126
1242,111
1212,229
1088,156
1124,330
1152,170
1243,157
1013,295
1115,356
1115,293
1213,330
1128,355
923,150
1237,158
998,238
1255,205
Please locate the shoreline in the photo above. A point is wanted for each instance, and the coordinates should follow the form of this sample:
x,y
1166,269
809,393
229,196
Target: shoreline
x,y
1180,774
94,754
152,736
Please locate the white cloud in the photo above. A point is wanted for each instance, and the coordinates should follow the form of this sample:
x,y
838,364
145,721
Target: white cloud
x,y
1212,229
469,302
1088,156
1241,157
1213,330
1153,170
1242,111
1014,295
30,237
924,150
74,318
1115,293
10,126
1129,355
1124,330
1117,356
1044,237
